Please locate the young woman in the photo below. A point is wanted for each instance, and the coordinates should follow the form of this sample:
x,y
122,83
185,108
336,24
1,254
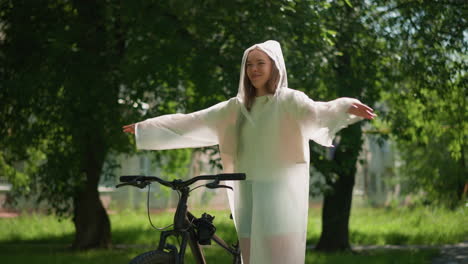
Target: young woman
x,y
264,131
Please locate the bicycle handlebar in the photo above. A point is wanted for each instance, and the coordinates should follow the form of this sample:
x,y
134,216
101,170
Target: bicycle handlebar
x,y
231,176
180,183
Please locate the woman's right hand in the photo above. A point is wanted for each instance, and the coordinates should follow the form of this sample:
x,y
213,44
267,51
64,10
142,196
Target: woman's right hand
x,y
129,128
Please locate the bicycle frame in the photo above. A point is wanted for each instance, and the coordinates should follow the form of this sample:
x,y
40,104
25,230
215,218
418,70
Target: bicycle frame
x,y
184,229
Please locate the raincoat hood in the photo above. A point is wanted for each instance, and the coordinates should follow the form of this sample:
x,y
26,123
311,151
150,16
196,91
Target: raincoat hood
x,y
273,49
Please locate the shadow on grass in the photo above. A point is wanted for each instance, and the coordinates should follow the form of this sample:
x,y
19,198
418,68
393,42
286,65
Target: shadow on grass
x,y
57,250
57,253
120,236
50,239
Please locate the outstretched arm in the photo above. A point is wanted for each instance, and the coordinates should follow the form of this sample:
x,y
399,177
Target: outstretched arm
x,y
322,120
173,131
197,129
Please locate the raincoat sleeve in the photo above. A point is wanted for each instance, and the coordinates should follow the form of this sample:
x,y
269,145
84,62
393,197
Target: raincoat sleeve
x,y
320,121
198,129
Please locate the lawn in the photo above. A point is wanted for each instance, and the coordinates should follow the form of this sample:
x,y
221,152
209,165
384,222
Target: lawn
x,y
44,239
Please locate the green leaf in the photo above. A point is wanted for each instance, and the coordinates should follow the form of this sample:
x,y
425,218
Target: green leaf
x,y
348,3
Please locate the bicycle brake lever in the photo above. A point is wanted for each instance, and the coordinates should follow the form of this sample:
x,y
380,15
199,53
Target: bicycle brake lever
x,y
225,186
140,185
214,185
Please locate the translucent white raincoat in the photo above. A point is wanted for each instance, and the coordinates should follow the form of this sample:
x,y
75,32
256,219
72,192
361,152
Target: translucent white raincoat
x,y
270,144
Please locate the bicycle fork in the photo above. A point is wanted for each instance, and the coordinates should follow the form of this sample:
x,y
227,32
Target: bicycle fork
x,y
187,237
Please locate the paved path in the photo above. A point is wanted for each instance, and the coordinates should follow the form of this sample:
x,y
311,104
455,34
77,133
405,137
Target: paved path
x,y
453,254
449,254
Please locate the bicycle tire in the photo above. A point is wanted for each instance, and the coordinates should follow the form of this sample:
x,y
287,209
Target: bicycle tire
x,y
154,257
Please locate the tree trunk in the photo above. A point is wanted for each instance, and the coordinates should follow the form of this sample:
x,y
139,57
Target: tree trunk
x,y
91,221
337,204
335,216
92,225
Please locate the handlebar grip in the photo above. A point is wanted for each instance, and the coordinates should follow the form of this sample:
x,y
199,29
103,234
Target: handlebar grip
x,y
231,176
130,178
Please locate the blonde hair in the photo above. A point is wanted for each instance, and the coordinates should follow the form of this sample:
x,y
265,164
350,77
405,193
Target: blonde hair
x,y
271,85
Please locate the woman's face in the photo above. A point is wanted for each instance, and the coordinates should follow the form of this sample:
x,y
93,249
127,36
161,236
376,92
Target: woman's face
x,y
258,69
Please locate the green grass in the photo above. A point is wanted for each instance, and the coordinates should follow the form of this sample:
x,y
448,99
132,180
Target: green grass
x,y
46,240
408,226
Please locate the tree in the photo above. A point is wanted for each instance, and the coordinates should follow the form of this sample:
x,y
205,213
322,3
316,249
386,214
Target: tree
x,y
72,78
75,72
60,99
352,70
407,52
427,101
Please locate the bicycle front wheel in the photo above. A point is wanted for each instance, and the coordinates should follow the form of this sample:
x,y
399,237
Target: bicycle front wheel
x,y
154,257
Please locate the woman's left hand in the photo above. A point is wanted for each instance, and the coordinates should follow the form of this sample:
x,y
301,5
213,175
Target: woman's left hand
x,y
362,110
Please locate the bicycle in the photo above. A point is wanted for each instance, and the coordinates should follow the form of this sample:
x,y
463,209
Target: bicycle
x,y
194,231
